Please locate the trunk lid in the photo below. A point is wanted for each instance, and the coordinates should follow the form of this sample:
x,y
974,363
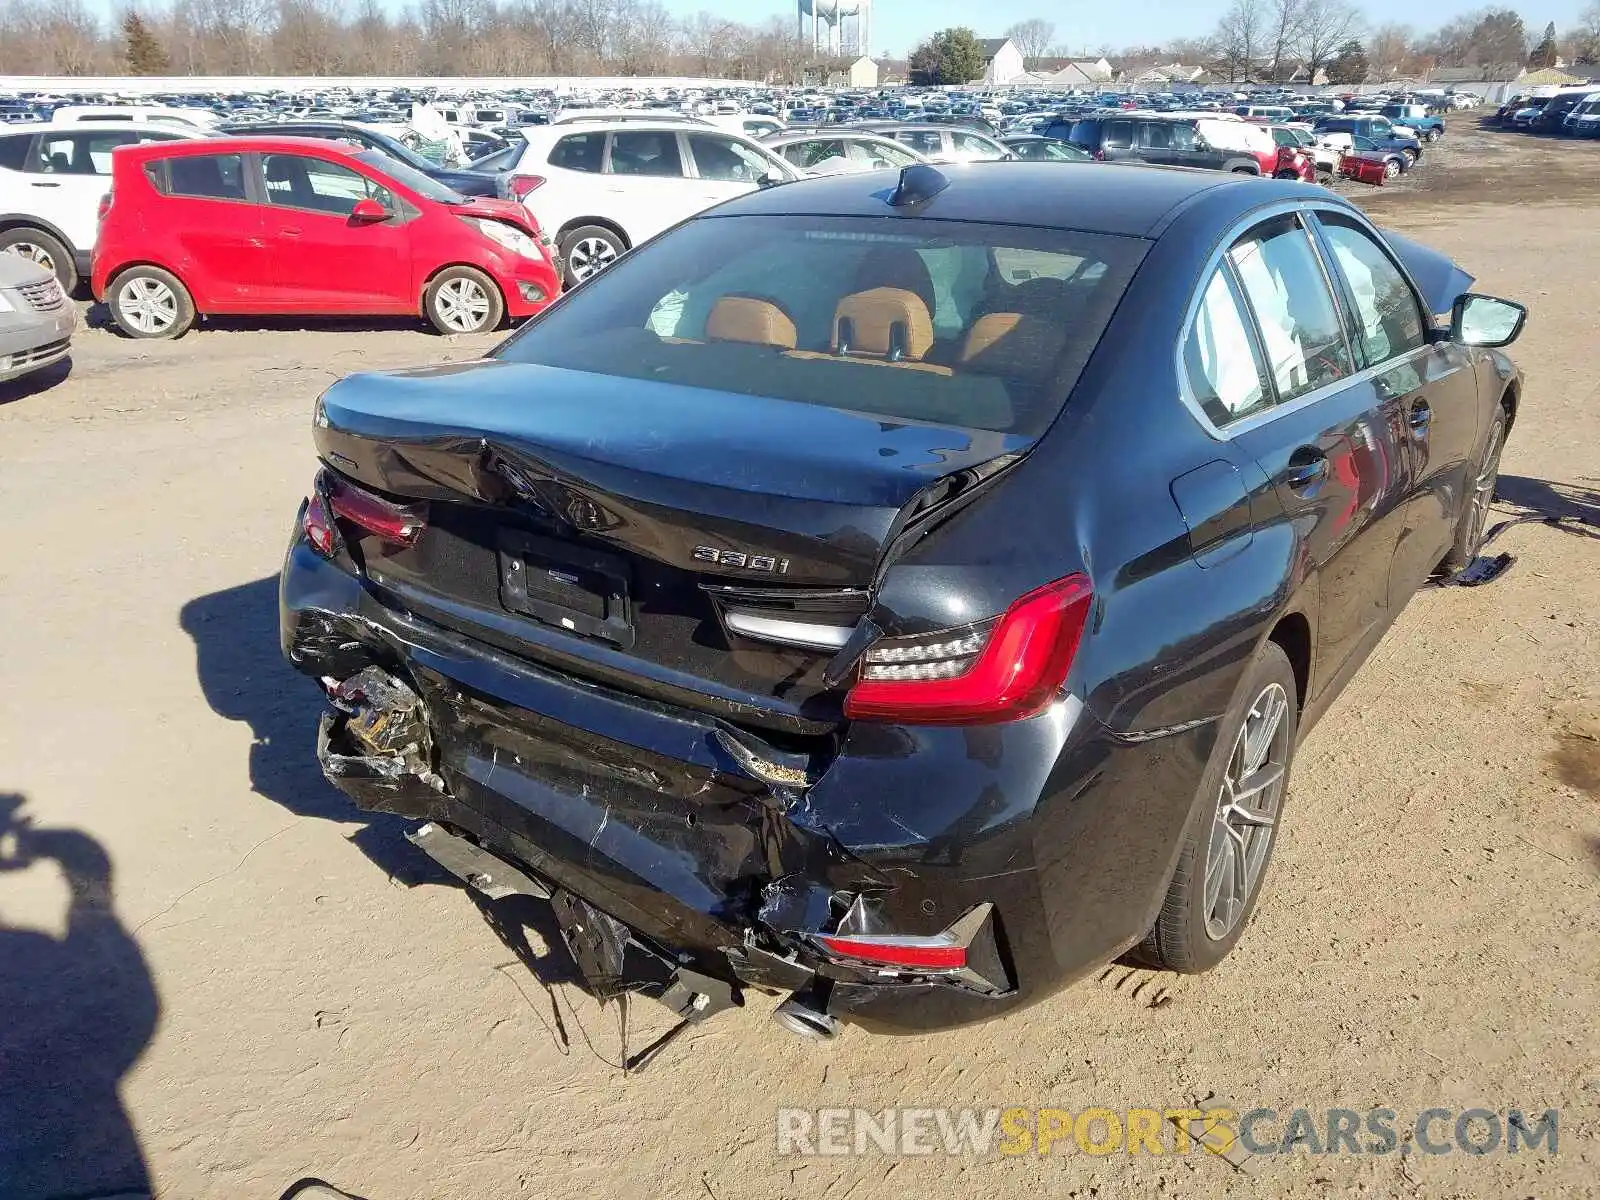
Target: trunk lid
x,y
638,532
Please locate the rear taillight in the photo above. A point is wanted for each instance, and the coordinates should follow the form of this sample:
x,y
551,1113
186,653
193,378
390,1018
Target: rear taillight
x,y
910,954
335,499
521,186
1004,670
1099,156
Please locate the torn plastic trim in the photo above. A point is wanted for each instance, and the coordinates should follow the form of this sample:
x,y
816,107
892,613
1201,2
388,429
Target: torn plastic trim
x,y
965,952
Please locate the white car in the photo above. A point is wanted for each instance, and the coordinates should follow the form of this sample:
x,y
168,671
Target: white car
x,y
51,180
191,119
841,152
601,188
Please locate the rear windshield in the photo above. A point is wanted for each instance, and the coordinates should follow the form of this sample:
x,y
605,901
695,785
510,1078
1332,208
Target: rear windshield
x,y
981,326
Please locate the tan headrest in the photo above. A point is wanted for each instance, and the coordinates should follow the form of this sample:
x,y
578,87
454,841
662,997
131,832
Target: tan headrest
x,y
882,321
1012,344
746,319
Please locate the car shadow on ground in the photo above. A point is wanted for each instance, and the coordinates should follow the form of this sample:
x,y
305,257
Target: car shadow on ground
x,y
35,382
79,1010
1575,505
245,678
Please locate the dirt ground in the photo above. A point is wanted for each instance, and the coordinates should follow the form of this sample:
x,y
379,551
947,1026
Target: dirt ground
x,y
215,957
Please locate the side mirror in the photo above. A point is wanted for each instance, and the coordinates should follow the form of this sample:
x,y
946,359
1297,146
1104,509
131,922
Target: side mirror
x,y
369,212
1486,320
773,178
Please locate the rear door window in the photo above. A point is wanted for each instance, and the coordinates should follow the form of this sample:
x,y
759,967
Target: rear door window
x,y
646,152
1118,135
923,141
79,153
1300,328
1223,371
580,152
206,176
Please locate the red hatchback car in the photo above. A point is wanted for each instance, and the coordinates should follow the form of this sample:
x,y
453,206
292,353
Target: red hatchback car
x,y
297,226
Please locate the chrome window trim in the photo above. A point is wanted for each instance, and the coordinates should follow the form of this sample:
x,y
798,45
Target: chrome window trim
x,y
1219,257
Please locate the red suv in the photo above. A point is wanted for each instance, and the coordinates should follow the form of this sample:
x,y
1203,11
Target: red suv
x,y
293,225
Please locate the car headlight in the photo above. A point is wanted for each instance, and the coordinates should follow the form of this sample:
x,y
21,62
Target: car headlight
x,y
509,236
5,304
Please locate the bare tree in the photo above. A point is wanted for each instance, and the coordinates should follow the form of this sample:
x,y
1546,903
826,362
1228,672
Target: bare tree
x,y
1584,40
1240,37
1325,25
1033,37
1389,49
1285,19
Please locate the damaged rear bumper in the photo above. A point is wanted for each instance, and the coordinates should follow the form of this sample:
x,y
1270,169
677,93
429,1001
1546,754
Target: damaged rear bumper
x,y
1046,844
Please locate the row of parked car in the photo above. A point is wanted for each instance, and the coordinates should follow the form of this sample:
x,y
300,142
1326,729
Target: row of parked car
x,y
1569,112
169,221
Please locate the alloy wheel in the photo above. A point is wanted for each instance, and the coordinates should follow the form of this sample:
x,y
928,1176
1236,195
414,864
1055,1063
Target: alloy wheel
x,y
1247,812
33,253
1482,497
590,256
463,304
148,305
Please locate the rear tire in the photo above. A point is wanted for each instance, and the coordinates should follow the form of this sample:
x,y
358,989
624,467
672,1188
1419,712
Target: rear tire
x,y
147,302
1434,135
588,250
1480,496
1226,847
1392,169
45,249
463,300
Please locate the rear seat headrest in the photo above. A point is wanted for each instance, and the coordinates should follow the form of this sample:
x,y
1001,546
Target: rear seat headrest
x,y
1013,344
750,319
889,323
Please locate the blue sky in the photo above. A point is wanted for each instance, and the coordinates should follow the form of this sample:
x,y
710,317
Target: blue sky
x,y
1086,24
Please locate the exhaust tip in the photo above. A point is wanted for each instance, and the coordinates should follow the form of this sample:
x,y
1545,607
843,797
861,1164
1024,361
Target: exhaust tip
x,y
800,1016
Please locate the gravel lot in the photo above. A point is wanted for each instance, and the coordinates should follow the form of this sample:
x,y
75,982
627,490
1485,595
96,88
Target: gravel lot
x,y
280,988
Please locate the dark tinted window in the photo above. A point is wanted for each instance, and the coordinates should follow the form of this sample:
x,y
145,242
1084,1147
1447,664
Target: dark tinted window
x,y
645,152
579,152
1086,133
207,176
1118,135
981,326
14,150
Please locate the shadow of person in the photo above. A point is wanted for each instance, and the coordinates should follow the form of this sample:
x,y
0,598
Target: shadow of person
x,y
244,678
75,1013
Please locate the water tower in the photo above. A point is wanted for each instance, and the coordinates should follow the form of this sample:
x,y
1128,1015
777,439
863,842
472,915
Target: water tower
x,y
838,27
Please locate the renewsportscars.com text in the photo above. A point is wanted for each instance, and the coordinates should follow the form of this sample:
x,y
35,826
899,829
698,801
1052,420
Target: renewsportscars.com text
x,y
1013,1132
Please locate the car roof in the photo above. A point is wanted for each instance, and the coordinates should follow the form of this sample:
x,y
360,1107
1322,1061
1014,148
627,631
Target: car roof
x,y
239,143
1132,201
553,131
823,133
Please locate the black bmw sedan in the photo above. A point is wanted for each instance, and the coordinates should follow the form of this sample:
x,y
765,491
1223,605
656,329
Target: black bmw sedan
x,y
903,592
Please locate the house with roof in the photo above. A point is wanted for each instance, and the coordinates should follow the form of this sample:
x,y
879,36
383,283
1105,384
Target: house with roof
x,y
1002,61
1083,73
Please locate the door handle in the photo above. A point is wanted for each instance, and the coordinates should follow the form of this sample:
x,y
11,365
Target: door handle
x,y
1307,468
290,232
42,183
1421,416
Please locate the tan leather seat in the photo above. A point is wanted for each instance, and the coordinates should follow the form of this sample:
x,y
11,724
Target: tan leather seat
x,y
1015,345
884,323
750,319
